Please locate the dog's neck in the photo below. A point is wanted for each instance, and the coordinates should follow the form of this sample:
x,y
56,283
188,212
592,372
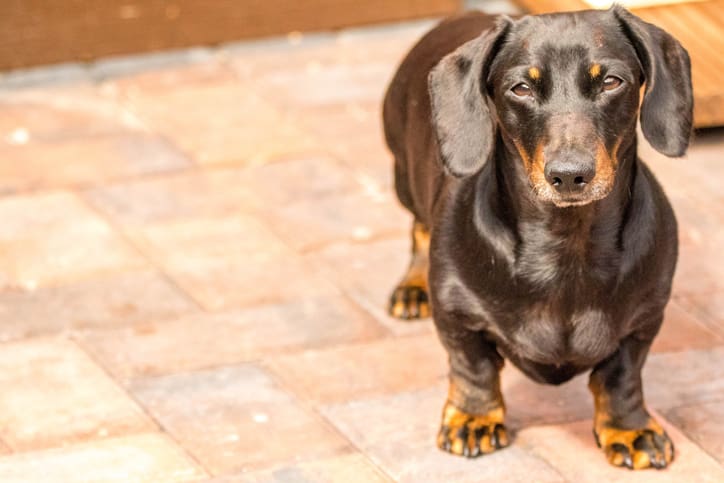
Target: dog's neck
x,y
515,219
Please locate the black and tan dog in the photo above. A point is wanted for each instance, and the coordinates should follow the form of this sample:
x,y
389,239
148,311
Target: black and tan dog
x,y
539,236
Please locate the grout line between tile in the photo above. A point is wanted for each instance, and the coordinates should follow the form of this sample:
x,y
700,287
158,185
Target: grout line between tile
x,y
131,243
311,407
161,428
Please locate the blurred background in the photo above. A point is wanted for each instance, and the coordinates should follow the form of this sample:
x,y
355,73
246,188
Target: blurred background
x,y
199,235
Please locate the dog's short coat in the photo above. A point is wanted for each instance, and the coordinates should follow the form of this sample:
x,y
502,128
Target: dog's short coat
x,y
539,236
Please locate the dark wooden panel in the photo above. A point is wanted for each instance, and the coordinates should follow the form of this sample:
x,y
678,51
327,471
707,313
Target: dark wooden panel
x,y
46,31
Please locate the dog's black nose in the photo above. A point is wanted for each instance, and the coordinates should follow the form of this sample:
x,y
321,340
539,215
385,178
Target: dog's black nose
x,y
569,176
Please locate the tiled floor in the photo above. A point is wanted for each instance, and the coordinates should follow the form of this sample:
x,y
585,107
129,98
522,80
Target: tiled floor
x,y
195,253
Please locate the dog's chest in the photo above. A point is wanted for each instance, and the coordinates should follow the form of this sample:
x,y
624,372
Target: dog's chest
x,y
547,336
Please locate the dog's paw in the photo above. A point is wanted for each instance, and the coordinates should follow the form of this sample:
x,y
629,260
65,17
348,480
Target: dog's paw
x,y
471,435
409,302
648,447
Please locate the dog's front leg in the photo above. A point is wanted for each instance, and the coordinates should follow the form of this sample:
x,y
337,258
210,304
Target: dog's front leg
x,y
622,426
473,416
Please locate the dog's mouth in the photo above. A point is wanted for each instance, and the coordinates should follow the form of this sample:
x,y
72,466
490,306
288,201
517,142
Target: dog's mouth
x,y
594,192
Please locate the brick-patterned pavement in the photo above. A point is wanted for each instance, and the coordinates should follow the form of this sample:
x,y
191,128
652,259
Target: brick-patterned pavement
x,y
196,249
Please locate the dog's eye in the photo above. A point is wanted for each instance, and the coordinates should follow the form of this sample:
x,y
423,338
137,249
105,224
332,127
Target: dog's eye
x,y
521,90
611,82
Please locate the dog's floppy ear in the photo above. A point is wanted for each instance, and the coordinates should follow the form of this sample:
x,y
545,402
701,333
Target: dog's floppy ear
x,y
460,115
667,109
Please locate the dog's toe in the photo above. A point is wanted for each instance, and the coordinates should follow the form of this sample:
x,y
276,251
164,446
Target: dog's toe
x,y
409,302
648,447
471,435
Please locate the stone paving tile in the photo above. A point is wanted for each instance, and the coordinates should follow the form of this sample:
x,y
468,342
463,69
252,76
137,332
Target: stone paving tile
x,y
220,123
368,272
333,91
117,299
684,329
139,458
213,413
695,272
398,434
352,468
181,196
230,261
318,55
53,237
704,424
58,114
300,179
206,340
573,452
683,378
74,137
359,371
54,394
352,132
88,161
354,217
708,307
223,191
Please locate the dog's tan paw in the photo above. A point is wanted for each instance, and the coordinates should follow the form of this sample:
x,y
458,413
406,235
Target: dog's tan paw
x,y
648,447
409,302
471,435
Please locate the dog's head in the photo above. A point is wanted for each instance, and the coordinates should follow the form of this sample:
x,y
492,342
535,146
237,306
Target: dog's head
x,y
563,91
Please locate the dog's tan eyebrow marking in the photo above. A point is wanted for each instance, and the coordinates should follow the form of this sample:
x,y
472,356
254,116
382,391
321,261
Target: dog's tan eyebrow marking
x,y
595,70
534,73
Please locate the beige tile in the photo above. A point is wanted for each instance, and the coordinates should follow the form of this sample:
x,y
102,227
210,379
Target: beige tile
x,y
352,468
231,261
359,216
704,424
695,272
223,191
56,137
236,419
708,308
368,272
52,238
193,194
353,132
57,114
570,448
324,83
684,330
221,123
363,370
398,434
140,458
54,394
300,179
682,378
78,162
131,81
112,300
208,340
